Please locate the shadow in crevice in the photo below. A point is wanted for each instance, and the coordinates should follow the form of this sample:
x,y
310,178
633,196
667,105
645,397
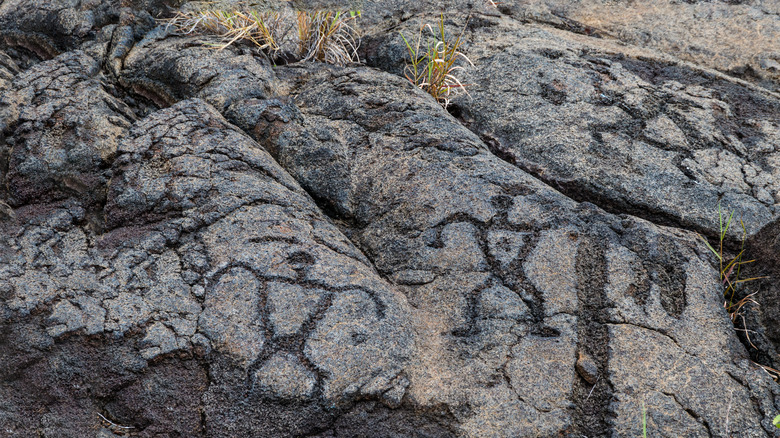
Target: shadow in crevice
x,y
762,322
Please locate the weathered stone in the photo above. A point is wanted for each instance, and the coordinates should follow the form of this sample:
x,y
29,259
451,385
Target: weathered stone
x,y
649,137
285,377
194,242
563,269
289,306
587,368
732,36
164,70
66,131
140,285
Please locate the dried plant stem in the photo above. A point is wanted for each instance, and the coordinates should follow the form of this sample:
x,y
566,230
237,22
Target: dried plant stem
x,y
322,36
730,271
327,37
266,29
434,69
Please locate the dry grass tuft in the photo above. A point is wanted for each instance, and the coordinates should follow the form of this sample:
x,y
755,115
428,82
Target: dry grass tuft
x,y
266,30
327,37
433,69
322,36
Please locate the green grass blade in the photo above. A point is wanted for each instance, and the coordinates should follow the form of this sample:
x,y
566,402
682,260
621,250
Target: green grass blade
x,y
728,224
710,247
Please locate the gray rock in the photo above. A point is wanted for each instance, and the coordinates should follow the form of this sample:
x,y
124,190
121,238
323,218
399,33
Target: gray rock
x,y
139,296
285,377
165,69
197,243
651,138
66,130
734,37
568,273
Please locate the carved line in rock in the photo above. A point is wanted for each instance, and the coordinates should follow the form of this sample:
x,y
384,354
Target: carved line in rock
x,y
482,240
508,275
293,343
592,398
132,80
580,191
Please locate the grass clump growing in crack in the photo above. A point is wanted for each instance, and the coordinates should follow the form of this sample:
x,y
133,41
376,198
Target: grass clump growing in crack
x,y
322,36
266,30
731,270
432,68
327,37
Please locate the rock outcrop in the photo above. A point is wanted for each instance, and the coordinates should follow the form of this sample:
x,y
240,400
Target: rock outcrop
x,y
738,37
195,242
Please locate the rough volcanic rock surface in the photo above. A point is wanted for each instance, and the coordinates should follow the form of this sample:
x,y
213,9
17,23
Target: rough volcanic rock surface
x,y
656,140
213,250
65,129
738,37
197,243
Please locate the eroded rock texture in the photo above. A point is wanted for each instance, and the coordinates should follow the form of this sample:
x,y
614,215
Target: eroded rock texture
x,y
739,37
198,243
